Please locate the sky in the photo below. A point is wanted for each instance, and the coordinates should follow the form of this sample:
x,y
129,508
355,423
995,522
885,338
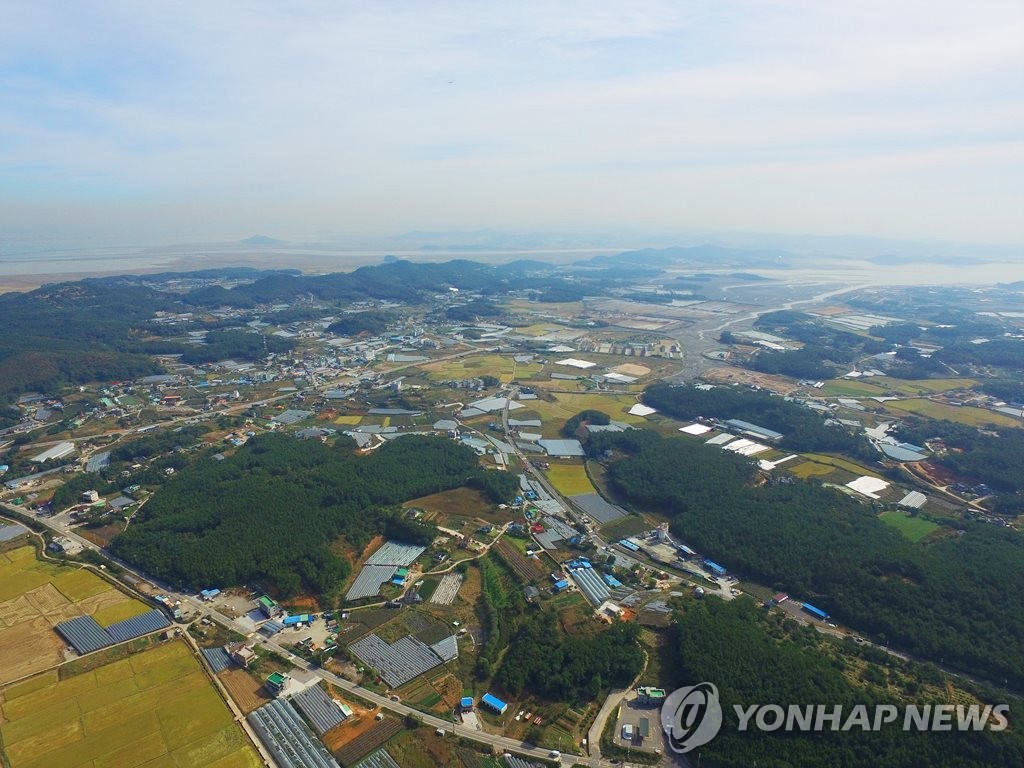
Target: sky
x,y
182,121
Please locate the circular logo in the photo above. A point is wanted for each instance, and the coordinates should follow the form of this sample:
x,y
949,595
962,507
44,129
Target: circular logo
x,y
691,716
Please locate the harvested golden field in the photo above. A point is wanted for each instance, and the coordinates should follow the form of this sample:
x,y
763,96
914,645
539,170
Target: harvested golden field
x,y
35,595
155,708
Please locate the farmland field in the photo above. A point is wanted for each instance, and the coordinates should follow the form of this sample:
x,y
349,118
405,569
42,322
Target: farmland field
x,y
156,707
881,385
832,461
566,405
473,366
525,568
245,689
914,528
810,469
35,595
974,417
570,479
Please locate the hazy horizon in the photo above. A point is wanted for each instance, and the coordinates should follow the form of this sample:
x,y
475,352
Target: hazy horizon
x,y
161,124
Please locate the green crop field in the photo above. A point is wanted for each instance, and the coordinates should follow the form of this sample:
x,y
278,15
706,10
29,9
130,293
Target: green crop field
x,y
154,708
566,405
808,469
881,385
849,466
473,366
570,479
974,417
914,528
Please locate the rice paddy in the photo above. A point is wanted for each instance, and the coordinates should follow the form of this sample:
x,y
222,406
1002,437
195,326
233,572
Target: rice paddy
x,y
154,708
570,479
35,595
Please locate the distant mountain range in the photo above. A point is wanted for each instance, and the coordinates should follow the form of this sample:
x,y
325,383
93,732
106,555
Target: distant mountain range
x,y
703,255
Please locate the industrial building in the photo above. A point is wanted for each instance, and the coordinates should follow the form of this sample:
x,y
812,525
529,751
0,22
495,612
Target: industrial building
x,y
815,612
650,696
493,703
59,451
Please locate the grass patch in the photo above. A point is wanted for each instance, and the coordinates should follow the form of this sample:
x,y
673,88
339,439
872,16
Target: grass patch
x,y
974,417
914,528
570,479
351,421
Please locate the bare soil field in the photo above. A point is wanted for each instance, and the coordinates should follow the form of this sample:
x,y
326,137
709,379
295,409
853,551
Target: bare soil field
x,y
369,740
245,689
731,375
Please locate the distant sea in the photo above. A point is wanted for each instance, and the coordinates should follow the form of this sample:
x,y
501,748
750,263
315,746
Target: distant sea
x,y
26,264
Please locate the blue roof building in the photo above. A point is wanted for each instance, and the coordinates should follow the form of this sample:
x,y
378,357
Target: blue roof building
x,y
815,612
715,568
493,703
466,704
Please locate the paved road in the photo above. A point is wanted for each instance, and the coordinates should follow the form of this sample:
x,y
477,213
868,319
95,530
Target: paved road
x,y
491,740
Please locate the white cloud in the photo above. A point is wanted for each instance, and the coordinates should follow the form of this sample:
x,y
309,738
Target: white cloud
x,y
392,115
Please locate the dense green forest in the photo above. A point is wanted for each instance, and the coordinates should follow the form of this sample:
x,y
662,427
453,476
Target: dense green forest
x,y
233,344
956,599
975,456
154,443
501,606
809,362
755,658
802,428
272,510
545,662
374,322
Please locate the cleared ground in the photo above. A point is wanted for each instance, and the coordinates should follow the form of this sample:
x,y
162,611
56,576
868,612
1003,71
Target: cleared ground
x,y
246,690
154,708
35,595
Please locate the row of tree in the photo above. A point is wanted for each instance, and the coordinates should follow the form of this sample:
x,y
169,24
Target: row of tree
x,y
802,429
956,599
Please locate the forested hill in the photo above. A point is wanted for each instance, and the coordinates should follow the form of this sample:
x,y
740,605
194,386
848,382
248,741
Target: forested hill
x,y
758,658
271,511
100,329
802,428
956,599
